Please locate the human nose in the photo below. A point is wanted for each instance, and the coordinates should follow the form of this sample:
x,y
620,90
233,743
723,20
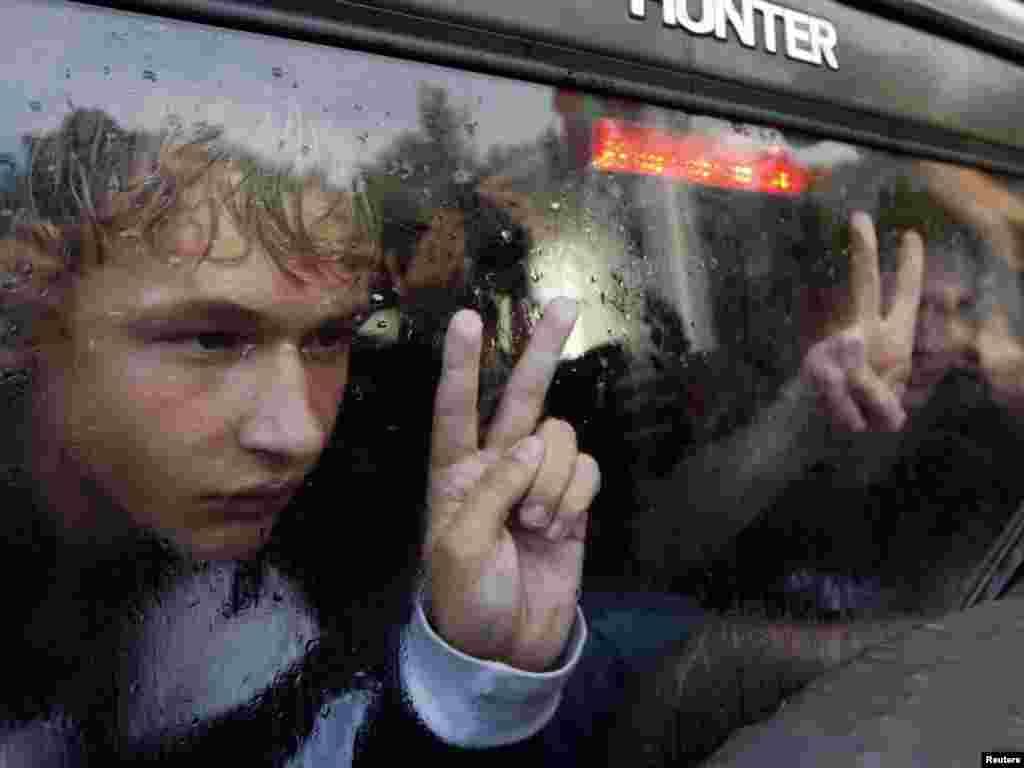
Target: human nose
x,y
283,421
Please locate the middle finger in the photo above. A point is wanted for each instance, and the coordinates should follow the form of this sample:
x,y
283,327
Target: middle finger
x,y
523,401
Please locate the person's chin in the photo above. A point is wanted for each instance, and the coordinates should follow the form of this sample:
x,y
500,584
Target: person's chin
x,y
232,541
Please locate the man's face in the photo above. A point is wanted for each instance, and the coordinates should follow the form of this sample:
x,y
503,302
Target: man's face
x,y
942,332
191,399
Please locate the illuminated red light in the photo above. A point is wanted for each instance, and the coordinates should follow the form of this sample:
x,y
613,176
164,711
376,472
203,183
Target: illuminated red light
x,y
628,148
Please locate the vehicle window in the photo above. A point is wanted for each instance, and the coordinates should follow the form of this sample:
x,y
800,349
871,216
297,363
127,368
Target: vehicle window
x,y
789,422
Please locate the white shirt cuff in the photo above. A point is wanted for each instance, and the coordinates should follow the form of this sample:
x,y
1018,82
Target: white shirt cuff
x,y
472,702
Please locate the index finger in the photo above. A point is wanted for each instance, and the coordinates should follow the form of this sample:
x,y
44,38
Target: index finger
x,y
454,434
523,401
865,283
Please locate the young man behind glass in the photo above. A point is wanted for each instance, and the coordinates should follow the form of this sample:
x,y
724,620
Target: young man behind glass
x,y
179,325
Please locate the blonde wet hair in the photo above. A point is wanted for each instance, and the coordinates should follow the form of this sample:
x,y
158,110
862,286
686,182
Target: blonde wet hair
x,y
92,189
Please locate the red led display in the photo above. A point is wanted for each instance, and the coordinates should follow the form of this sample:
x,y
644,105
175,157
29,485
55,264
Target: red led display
x,y
627,148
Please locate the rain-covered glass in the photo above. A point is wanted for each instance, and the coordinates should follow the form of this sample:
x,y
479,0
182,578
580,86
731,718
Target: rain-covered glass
x,y
798,412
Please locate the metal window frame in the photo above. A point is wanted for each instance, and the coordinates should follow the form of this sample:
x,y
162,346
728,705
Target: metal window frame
x,y
396,31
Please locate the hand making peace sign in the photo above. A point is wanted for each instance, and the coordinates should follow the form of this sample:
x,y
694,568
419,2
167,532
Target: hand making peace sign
x,y
861,372
508,514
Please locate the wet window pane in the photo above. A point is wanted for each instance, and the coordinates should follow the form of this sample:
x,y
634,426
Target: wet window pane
x,y
228,264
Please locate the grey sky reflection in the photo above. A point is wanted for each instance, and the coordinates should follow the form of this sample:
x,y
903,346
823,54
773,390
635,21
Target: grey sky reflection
x,y
277,97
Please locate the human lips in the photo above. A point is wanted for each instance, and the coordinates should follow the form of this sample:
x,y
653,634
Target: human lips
x,y
256,502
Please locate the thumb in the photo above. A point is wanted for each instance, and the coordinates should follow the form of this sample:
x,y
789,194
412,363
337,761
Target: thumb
x,y
480,520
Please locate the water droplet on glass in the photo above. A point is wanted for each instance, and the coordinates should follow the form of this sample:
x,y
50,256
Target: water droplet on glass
x,y
382,324
67,73
277,71
506,236
35,106
556,206
471,128
106,69
536,276
357,107
295,84
149,74
461,176
306,149
363,137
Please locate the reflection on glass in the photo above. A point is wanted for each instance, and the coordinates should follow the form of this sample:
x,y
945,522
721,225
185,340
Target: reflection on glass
x,y
786,399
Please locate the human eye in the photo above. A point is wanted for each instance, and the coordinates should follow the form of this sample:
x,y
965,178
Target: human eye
x,y
214,341
207,344
330,343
